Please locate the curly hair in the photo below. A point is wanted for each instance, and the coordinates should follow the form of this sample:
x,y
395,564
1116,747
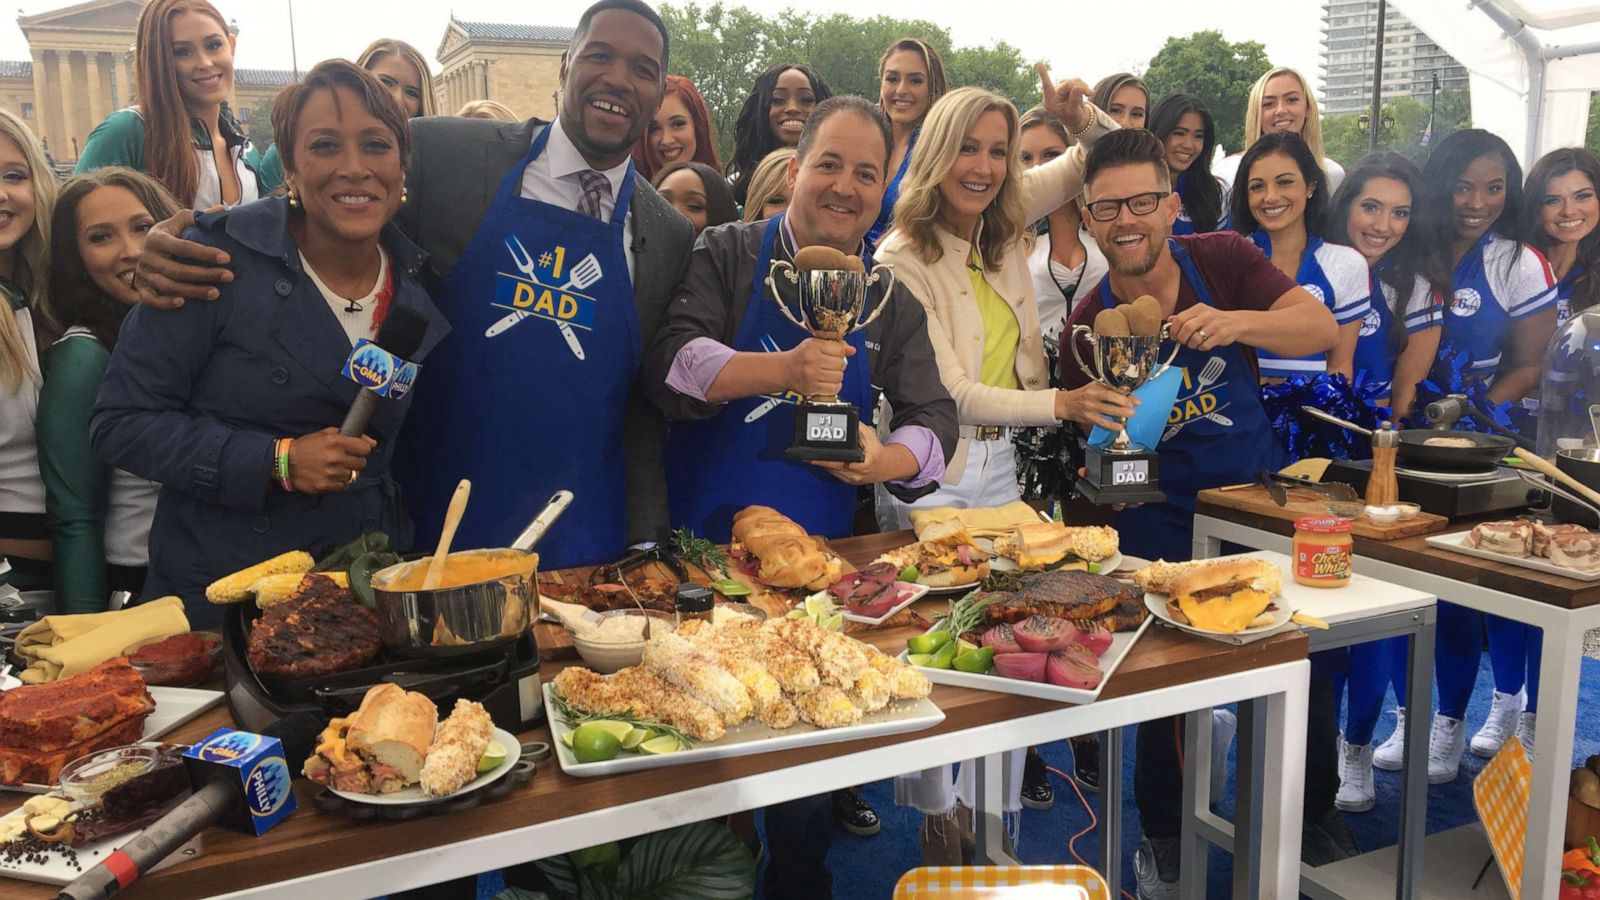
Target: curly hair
x,y
705,137
752,131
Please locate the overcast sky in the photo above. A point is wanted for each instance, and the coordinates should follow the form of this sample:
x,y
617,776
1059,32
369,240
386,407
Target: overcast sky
x,y
1077,38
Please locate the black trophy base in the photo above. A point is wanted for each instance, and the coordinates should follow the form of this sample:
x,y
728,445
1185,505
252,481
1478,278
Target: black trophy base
x,y
825,431
1127,477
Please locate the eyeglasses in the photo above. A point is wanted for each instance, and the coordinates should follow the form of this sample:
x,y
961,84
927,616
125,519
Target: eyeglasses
x,y
1138,204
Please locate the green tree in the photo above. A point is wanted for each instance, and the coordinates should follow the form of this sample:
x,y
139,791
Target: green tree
x,y
846,49
1344,140
1591,135
1000,68
1216,71
258,122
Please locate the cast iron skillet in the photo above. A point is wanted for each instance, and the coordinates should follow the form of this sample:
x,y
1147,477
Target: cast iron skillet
x,y
1414,452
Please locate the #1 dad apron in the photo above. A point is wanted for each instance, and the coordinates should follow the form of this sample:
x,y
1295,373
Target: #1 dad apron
x,y
720,465
507,400
1217,434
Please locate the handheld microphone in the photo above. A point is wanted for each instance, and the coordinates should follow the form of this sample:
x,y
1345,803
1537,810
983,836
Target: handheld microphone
x,y
240,780
381,366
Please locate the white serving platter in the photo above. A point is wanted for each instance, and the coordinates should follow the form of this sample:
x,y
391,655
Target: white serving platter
x,y
749,738
55,868
1452,542
174,706
1121,643
413,795
909,594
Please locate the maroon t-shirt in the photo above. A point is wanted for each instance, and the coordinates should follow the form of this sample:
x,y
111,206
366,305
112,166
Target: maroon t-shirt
x,y
1236,272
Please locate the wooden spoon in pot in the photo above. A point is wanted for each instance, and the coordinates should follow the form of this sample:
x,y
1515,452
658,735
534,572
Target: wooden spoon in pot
x,y
452,520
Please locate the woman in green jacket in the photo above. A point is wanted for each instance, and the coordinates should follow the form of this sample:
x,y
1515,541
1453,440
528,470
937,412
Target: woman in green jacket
x,y
182,132
99,517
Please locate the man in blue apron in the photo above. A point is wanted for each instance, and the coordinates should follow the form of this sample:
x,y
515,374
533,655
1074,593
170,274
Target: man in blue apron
x,y
554,265
729,366
1224,300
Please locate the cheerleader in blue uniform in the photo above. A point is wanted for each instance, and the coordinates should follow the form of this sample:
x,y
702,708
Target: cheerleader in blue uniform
x,y
1500,317
1280,200
1562,211
1189,135
1375,212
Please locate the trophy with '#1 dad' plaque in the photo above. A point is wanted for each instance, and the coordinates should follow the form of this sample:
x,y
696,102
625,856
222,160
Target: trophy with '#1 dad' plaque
x,y
832,294
1125,349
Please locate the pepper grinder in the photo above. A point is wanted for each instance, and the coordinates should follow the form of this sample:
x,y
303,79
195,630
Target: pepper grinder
x,y
1382,488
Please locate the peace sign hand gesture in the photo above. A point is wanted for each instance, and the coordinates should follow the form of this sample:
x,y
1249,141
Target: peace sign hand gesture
x,y
1066,100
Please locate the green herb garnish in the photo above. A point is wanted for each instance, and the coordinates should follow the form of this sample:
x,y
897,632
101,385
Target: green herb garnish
x,y
966,614
700,551
572,717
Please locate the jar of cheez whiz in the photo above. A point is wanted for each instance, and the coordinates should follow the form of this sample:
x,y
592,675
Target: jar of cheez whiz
x,y
1322,551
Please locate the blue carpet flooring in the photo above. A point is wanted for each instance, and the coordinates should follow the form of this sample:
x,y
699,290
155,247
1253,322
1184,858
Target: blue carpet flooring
x,y
867,868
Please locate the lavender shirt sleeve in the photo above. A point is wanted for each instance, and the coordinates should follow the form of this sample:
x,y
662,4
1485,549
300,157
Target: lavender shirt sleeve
x,y
924,447
697,366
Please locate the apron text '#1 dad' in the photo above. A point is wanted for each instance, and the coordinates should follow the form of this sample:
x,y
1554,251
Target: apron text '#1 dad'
x,y
527,395
718,466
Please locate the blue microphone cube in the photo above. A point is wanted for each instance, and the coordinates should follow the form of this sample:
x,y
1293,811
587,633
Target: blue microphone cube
x,y
254,762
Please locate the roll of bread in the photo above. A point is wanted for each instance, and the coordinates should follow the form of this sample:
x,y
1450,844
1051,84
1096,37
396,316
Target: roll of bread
x,y
391,732
788,556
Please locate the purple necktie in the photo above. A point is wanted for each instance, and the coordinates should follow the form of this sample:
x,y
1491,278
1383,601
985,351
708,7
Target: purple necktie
x,y
595,187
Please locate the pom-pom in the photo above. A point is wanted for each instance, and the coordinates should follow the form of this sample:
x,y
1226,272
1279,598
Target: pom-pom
x,y
1302,435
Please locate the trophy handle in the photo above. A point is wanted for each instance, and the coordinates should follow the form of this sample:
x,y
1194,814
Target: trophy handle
x,y
1166,334
1078,331
880,273
790,273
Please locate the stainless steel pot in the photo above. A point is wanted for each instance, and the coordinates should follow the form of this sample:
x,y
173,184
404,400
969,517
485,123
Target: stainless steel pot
x,y
468,618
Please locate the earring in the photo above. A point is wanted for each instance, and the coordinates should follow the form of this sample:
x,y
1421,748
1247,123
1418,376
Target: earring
x,y
294,202
405,195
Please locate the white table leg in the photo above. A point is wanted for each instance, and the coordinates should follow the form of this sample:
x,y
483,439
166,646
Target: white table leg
x,y
1414,779
1559,669
1111,810
988,813
1250,794
1282,797
1193,848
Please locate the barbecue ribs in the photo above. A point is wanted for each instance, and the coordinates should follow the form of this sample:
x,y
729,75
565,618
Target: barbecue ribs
x,y
45,726
318,631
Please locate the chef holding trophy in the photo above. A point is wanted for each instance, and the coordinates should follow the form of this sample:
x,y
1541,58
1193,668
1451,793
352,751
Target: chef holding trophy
x,y
782,336
1214,299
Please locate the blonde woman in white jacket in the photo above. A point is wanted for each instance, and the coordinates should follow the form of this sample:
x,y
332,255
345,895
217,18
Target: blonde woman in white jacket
x,y
959,242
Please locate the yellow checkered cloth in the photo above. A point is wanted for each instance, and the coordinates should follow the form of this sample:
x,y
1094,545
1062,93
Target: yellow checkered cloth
x,y
990,882
1500,792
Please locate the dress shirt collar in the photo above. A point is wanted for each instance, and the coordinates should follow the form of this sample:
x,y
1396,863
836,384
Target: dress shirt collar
x,y
788,233
566,161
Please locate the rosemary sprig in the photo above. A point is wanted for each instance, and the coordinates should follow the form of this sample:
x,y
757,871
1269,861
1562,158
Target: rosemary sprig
x,y
966,614
700,551
572,717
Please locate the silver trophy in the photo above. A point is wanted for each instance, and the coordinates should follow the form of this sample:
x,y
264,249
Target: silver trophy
x,y
831,304
1120,470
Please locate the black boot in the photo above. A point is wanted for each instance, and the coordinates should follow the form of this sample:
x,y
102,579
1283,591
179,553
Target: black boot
x,y
1036,790
854,814
1086,762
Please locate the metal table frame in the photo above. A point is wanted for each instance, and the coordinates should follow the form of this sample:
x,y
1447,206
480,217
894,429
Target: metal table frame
x,y
1281,691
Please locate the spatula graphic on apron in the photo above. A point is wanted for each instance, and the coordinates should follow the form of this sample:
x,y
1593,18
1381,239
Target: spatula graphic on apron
x,y
581,277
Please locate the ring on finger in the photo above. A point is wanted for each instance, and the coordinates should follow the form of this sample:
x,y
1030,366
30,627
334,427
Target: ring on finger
x,y
1202,334
353,476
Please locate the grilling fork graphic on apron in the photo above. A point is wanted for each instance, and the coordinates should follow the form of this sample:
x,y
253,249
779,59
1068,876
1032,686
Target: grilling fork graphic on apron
x,y
581,277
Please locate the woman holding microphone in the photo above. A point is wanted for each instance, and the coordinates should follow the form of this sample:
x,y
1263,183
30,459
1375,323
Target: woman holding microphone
x,y
232,405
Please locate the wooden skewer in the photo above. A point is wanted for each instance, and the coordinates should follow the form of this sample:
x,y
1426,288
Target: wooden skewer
x,y
452,519
1544,466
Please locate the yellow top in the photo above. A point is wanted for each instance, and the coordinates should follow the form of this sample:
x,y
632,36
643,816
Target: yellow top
x,y
1001,331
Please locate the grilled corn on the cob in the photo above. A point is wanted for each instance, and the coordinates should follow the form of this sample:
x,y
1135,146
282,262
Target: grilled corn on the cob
x,y
905,682
839,660
735,656
236,587
827,707
871,690
685,665
275,589
790,665
634,691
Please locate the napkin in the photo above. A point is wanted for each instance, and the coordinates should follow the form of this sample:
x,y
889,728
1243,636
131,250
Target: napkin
x,y
1156,397
989,522
62,646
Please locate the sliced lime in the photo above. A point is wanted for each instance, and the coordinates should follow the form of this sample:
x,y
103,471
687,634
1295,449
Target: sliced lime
x,y
665,743
909,573
819,606
728,587
493,756
618,730
594,744
834,622
635,737
916,659
566,738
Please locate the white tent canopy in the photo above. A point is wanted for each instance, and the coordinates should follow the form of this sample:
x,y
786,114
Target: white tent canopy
x,y
1532,64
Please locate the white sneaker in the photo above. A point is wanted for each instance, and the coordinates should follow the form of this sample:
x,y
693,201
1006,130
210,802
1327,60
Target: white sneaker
x,y
1391,754
1355,778
1223,726
1525,724
1501,724
1444,749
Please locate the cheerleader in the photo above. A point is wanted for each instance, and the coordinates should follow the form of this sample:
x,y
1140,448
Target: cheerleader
x,y
1562,211
773,114
1280,103
1500,317
1124,98
910,81
1373,212
1189,134
1280,202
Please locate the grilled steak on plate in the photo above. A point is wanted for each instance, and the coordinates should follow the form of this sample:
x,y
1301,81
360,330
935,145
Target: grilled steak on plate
x,y
1077,596
318,631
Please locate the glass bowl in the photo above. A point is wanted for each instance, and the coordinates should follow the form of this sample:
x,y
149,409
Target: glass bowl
x,y
86,778
183,671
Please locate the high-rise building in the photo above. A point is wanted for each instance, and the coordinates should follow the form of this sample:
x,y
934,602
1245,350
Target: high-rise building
x,y
1410,58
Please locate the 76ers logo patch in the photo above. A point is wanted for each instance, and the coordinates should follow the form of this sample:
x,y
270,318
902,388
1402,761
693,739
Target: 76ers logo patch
x,y
1370,324
1467,303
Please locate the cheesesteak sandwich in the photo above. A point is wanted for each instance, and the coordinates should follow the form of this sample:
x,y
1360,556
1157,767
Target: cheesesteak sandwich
x,y
380,748
1225,596
774,548
946,557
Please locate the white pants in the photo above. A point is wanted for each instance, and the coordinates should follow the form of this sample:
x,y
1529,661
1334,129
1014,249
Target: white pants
x,y
989,479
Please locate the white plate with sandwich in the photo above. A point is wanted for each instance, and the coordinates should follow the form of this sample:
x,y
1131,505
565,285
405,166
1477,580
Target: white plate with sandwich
x,y
1230,598
946,559
1053,545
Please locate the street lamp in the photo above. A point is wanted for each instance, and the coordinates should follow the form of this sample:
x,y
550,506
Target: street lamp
x,y
1385,122
1433,106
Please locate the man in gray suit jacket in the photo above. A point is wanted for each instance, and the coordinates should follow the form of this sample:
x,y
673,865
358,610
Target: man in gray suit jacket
x,y
612,77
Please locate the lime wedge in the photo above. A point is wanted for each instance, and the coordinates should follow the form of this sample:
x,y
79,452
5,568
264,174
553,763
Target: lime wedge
x,y
834,622
797,613
665,743
566,738
493,756
916,659
818,606
909,574
636,737
618,730
728,587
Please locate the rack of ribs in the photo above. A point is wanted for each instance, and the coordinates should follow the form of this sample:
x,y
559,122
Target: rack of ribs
x,y
45,726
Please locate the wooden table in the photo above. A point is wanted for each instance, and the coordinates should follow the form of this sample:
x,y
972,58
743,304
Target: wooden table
x,y
1562,608
313,855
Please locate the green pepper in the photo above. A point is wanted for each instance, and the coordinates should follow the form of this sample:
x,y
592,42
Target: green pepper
x,y
344,555
361,572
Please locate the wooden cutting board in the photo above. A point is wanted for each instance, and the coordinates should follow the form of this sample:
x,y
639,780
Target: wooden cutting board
x,y
1302,502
